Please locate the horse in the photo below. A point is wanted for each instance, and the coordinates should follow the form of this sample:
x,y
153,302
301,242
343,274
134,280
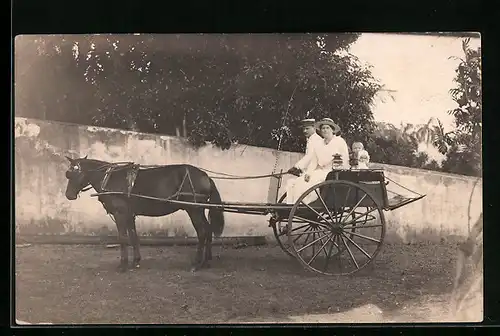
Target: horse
x,y
181,182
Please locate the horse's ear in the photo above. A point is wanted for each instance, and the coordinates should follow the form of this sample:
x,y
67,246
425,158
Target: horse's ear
x,y
69,159
85,157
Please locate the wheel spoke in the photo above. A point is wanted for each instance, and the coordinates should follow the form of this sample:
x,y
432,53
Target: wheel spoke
x,y
323,248
300,227
307,238
313,232
310,221
319,251
357,246
358,217
340,253
328,256
308,228
281,233
311,243
350,253
347,196
324,205
365,237
353,208
311,208
363,226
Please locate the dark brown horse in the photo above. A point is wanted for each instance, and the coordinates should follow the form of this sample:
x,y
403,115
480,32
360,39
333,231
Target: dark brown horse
x,y
179,182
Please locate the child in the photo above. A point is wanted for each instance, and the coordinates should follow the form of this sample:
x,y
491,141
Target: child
x,y
360,156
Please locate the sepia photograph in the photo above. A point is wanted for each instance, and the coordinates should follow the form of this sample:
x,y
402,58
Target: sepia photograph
x,y
248,178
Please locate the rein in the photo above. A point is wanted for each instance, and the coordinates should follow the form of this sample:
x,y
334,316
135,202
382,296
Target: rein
x,y
224,176
236,177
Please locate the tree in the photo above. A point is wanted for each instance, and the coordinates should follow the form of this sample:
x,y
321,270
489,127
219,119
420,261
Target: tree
x,y
48,83
250,89
399,146
463,145
395,151
432,165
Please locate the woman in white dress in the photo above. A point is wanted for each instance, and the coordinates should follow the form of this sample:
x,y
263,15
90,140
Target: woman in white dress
x,y
321,163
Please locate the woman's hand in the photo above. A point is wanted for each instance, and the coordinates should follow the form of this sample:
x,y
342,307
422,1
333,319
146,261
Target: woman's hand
x,y
307,177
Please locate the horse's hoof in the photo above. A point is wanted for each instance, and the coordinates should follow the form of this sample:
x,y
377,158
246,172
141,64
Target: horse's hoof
x,y
122,268
137,265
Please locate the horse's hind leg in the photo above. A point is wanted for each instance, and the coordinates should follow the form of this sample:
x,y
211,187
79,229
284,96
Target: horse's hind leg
x,y
196,216
208,239
121,225
208,243
134,240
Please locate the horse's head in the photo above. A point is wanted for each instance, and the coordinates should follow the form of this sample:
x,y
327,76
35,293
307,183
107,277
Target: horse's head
x,y
78,177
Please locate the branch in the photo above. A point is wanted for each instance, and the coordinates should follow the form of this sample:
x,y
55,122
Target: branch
x,y
286,114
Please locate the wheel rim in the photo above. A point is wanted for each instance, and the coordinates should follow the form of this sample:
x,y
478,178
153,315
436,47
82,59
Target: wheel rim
x,y
345,236
280,234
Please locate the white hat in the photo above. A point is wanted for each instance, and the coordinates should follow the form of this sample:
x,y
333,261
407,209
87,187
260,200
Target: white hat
x,y
329,122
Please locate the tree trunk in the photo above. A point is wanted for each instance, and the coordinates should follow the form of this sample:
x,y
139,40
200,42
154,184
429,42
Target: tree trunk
x,y
184,130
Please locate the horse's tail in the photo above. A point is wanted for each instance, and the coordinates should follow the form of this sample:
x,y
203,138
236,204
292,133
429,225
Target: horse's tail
x,y
215,215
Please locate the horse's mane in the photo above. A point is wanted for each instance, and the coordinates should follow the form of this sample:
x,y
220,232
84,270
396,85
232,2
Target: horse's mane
x,y
94,163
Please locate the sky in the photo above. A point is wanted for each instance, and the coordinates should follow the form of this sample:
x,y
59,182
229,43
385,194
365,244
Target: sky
x,y
419,71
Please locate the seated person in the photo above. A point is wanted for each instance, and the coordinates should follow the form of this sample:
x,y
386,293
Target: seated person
x,y
321,163
313,141
359,156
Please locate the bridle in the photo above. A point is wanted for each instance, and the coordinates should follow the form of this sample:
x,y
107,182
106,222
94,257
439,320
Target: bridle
x,y
76,168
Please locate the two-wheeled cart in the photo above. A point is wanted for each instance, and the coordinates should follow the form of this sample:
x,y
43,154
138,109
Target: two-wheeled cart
x,y
336,227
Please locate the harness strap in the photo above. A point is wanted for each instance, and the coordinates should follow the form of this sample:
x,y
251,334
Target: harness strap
x,y
193,190
131,176
106,178
180,186
191,184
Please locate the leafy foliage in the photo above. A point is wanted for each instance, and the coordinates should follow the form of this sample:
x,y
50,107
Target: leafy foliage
x,y
396,151
463,145
250,89
225,89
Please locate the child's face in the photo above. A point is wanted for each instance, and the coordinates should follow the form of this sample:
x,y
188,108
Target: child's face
x,y
357,147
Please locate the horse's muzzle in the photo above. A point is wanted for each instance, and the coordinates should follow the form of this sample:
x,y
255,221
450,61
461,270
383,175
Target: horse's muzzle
x,y
71,195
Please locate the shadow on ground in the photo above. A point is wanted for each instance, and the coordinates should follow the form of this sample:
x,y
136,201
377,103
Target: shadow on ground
x,y
78,284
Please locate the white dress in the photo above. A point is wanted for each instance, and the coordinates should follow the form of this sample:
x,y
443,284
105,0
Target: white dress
x,y
319,166
363,159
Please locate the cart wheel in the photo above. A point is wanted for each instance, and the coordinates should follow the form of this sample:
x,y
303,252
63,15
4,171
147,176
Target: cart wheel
x,y
279,229
337,242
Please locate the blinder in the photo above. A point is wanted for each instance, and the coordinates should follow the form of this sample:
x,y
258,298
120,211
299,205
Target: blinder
x,y
73,171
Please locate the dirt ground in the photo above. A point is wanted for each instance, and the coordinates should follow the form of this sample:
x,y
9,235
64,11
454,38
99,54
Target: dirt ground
x,y
78,284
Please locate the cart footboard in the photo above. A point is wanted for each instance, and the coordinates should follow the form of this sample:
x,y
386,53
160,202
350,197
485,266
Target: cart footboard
x,y
398,201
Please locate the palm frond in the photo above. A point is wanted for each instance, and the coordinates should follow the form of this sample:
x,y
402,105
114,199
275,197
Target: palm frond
x,y
461,148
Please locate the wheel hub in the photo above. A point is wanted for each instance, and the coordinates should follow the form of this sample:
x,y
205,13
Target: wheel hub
x,y
337,229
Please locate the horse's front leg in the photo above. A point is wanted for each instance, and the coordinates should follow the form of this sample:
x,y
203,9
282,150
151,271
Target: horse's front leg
x,y
208,246
121,225
134,240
